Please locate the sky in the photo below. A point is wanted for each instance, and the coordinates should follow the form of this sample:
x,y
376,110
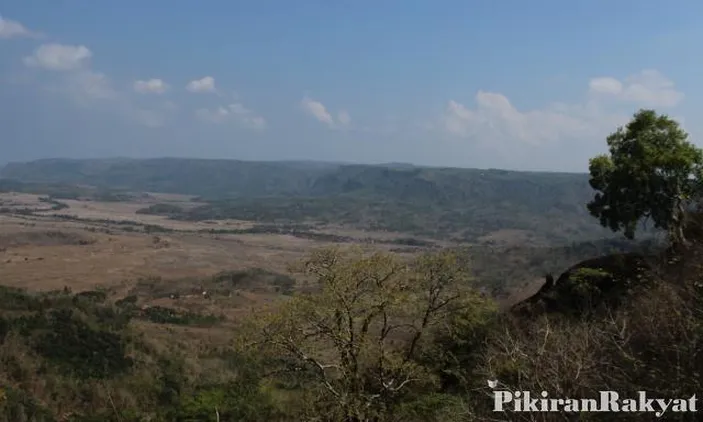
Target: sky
x,y
513,84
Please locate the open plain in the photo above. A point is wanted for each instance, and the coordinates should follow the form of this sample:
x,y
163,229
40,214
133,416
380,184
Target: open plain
x,y
92,245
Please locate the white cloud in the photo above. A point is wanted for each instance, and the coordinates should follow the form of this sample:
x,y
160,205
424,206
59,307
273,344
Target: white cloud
x,y
59,57
236,112
605,85
73,62
90,88
496,121
344,118
318,110
206,84
154,86
648,88
88,84
14,29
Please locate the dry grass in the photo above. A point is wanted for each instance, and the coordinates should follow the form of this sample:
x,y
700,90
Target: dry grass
x,y
120,211
508,237
31,258
113,258
15,199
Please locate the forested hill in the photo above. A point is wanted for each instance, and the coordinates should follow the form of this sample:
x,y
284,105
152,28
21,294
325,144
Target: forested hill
x,y
438,202
214,178
232,178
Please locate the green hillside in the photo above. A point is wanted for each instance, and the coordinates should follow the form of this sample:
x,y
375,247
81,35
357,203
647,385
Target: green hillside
x,y
461,204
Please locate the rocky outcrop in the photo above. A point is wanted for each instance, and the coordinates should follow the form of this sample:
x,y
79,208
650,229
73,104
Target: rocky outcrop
x,y
588,285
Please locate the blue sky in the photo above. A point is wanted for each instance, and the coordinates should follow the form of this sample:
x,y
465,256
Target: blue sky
x,y
507,84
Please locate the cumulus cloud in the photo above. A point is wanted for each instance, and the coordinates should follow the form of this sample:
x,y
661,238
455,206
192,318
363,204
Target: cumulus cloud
x,y
606,85
206,84
59,57
232,112
648,88
318,110
79,81
151,86
495,120
75,79
14,29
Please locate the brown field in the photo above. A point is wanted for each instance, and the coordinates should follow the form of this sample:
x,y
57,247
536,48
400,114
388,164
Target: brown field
x,y
43,252
127,211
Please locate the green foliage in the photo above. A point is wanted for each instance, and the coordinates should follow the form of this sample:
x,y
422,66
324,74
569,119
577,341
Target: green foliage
x,y
14,299
586,283
80,349
429,407
55,205
458,344
238,400
75,333
221,284
163,315
253,278
127,302
360,337
19,406
80,344
652,170
96,296
583,274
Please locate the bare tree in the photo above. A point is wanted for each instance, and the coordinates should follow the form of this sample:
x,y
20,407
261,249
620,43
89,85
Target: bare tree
x,y
360,333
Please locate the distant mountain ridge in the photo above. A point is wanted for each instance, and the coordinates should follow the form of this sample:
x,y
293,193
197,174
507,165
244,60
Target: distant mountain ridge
x,y
467,203
224,177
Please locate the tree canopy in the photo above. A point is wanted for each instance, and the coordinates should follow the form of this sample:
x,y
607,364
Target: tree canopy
x,y
360,335
651,172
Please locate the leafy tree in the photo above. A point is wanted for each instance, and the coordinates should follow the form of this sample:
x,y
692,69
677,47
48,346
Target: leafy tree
x,y
359,337
652,171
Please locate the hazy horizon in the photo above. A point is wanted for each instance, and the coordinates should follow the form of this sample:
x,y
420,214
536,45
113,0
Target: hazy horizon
x,y
532,87
282,161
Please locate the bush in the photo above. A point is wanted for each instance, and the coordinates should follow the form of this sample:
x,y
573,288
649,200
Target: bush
x,y
80,349
163,315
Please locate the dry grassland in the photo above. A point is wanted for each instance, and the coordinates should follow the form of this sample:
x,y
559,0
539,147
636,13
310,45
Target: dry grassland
x,y
43,252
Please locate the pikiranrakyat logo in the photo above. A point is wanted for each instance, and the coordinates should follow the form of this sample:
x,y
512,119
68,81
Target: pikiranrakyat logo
x,y
607,401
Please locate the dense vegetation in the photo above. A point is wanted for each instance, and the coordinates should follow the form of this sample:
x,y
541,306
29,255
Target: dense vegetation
x,y
78,357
